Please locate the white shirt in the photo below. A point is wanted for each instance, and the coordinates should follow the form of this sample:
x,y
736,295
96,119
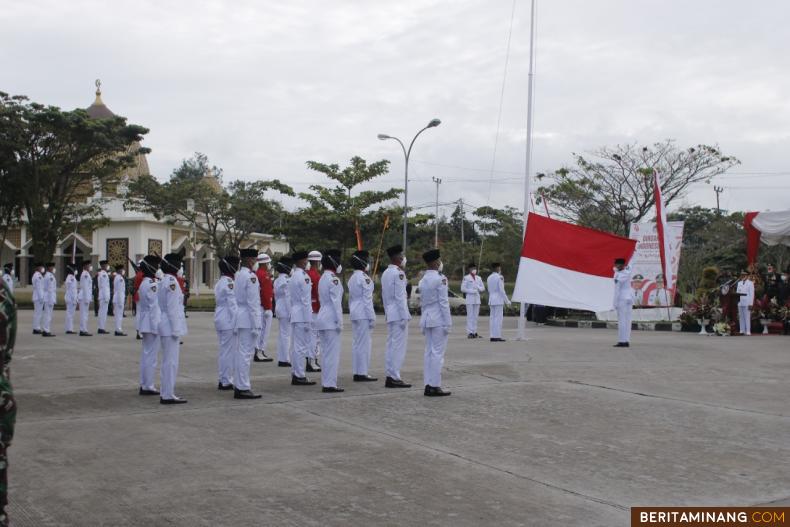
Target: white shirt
x,y
299,288
393,294
434,305
282,298
119,289
149,315
360,296
496,290
70,295
8,278
622,287
86,287
50,288
659,297
104,285
171,304
248,300
746,287
471,286
330,295
225,307
38,287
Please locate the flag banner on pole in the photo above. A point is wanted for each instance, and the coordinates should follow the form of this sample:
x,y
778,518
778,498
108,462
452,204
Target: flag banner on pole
x,y
565,265
664,238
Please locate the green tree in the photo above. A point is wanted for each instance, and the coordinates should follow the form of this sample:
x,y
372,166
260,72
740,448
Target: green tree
x,y
54,159
614,187
502,233
223,216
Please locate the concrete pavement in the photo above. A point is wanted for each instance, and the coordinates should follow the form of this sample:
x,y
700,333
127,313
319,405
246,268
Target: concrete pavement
x,y
561,429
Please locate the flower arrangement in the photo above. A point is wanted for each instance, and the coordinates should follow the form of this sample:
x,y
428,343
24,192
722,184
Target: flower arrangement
x,y
722,329
698,309
768,308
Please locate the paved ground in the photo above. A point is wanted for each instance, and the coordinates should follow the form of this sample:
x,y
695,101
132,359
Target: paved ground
x,y
561,429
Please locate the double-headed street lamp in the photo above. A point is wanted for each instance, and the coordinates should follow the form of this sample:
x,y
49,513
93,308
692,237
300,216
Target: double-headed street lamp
x,y
406,154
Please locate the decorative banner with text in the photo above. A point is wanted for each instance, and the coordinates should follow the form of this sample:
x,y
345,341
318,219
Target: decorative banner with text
x,y
646,275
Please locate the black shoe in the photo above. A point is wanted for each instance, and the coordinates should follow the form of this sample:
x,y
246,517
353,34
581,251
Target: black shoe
x,y
85,334
621,345
224,387
494,339
260,356
364,378
47,334
120,334
139,337
174,400
37,332
435,391
301,381
310,367
283,364
395,383
471,336
245,394
70,333
144,391
331,389
477,336
103,332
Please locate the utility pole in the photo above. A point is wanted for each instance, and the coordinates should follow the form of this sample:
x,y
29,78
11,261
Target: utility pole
x,y
463,218
718,190
436,219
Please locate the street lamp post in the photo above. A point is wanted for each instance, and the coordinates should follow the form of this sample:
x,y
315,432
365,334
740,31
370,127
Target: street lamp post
x,y
406,154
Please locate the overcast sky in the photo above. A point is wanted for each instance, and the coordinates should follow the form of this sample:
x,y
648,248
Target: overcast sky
x,y
263,86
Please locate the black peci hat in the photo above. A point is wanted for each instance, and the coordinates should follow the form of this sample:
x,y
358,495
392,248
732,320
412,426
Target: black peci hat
x,y
359,260
331,258
618,261
494,265
229,264
50,264
119,267
248,253
431,256
103,262
85,263
283,265
299,255
9,265
172,261
394,250
150,263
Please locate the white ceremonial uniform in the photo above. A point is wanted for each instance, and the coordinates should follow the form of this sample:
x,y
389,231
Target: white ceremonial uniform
x,y
104,297
149,315
172,327
363,319
282,308
745,288
70,297
497,298
225,309
435,323
659,297
301,319
38,299
623,303
85,298
248,325
50,299
118,300
8,278
329,324
471,286
396,311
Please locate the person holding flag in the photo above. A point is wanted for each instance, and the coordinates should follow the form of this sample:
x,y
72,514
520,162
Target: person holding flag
x,y
623,302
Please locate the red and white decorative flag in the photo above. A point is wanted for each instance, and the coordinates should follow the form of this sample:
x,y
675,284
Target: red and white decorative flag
x,y
565,265
664,241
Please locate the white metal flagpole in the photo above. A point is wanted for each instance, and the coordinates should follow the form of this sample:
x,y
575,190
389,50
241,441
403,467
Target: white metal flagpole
x,y
527,178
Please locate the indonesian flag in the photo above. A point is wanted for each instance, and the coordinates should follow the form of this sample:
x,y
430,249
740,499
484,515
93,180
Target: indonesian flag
x,y
565,265
664,241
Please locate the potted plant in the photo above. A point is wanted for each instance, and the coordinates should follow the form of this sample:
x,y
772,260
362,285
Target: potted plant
x,y
700,310
767,310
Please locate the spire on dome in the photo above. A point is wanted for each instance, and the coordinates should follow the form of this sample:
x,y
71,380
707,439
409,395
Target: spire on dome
x,y
98,109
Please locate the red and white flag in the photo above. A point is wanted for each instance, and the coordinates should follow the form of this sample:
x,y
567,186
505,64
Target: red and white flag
x,y
664,241
565,265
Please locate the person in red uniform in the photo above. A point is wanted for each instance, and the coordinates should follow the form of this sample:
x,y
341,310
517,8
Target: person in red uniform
x,y
138,279
267,294
314,272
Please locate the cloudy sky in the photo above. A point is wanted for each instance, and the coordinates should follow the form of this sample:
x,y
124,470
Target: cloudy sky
x,y
263,86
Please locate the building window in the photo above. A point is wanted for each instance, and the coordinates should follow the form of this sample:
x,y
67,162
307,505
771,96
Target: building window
x,y
117,251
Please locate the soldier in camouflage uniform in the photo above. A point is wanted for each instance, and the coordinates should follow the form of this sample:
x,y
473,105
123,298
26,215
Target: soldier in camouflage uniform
x,y
7,403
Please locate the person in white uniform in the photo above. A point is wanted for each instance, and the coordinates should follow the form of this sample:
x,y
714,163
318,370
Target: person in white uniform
x,y
85,297
282,308
147,320
471,286
38,297
329,321
301,319
70,298
264,274
50,299
103,279
623,302
172,326
225,311
248,323
660,295
119,299
745,291
435,322
396,311
8,276
363,317
497,298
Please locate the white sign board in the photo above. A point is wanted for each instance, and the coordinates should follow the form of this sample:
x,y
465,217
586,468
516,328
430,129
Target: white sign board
x,y
646,274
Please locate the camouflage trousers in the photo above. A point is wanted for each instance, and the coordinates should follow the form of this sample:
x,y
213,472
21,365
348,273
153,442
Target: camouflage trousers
x,y
7,420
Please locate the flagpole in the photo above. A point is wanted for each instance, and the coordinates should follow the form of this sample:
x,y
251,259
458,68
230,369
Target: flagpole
x,y
523,307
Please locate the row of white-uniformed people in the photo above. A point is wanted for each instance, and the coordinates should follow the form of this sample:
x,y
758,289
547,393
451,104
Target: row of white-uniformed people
x,y
76,294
